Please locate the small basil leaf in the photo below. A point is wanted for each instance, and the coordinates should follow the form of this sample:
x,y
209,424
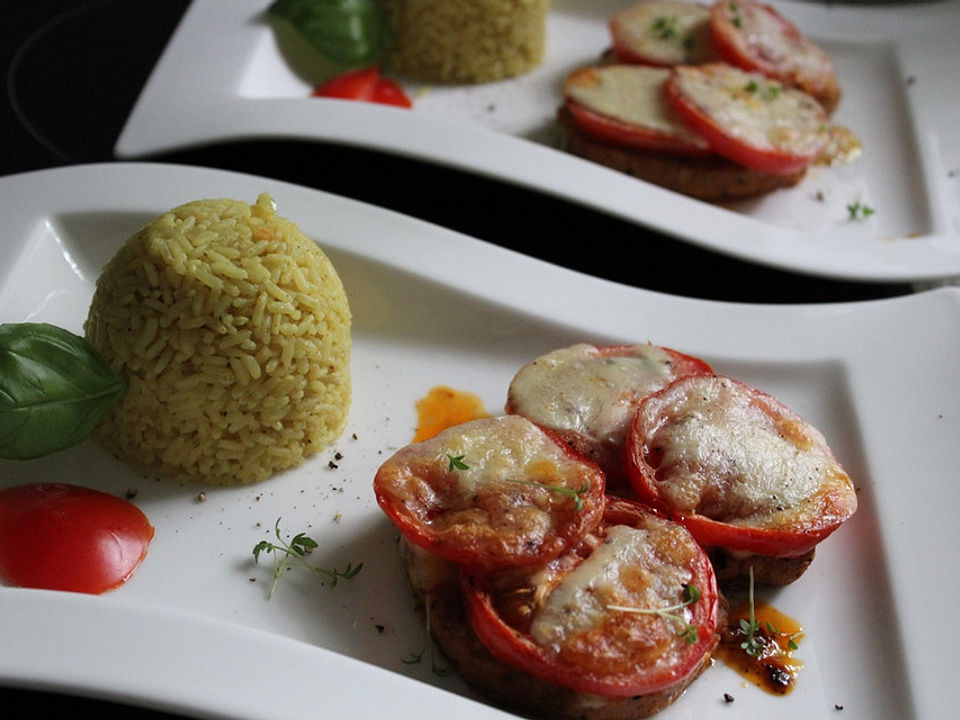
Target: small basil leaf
x,y
348,33
53,389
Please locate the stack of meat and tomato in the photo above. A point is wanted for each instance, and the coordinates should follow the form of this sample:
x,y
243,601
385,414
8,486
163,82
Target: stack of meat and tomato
x,y
568,554
717,102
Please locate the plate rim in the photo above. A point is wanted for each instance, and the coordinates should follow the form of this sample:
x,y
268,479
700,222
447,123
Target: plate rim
x,y
216,114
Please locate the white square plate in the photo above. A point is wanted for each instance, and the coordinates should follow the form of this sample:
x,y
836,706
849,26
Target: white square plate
x,y
191,633
222,77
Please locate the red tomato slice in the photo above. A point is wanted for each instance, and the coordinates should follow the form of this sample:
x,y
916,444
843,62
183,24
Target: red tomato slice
x,y
366,85
737,467
625,105
588,395
574,622
662,33
755,37
749,118
491,492
604,127
65,537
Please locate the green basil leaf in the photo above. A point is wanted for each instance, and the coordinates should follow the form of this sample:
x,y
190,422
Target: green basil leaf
x,y
348,33
53,389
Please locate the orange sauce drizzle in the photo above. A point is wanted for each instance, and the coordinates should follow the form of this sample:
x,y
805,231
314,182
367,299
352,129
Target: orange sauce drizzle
x,y
443,407
774,668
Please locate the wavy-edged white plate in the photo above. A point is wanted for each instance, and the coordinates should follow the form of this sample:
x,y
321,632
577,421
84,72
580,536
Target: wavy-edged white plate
x,y
193,631
223,77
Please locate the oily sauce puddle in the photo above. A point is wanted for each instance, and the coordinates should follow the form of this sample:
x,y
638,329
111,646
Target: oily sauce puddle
x,y
769,661
443,407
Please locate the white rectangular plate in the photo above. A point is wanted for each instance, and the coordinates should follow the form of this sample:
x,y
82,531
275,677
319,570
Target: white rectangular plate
x,y
191,632
222,78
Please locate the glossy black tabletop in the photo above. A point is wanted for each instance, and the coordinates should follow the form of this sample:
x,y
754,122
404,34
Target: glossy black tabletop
x,y
73,70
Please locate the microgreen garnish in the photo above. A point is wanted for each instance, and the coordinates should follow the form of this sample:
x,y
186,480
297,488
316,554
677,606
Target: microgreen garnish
x,y
457,463
752,646
665,27
755,643
286,554
427,648
691,594
859,211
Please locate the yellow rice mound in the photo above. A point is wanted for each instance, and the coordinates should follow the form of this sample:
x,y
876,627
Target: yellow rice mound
x,y
234,331
466,41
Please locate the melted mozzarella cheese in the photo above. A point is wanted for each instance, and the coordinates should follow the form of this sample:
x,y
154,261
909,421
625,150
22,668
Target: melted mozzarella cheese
x,y
509,448
630,93
582,389
669,33
726,457
633,567
755,109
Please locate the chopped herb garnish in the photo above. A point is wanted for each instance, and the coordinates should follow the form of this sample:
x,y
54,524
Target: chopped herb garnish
x,y
457,463
859,211
690,595
770,92
287,553
665,27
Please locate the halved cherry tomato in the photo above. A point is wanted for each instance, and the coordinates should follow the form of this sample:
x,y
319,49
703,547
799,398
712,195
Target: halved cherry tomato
x,y
749,118
587,621
366,85
755,37
66,537
491,492
588,395
737,467
625,105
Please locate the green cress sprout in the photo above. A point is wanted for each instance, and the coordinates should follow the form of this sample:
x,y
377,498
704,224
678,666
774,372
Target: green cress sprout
x,y
286,554
753,645
427,647
691,594
457,463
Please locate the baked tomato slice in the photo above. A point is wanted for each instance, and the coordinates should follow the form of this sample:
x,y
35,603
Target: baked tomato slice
x,y
663,33
737,467
625,105
367,85
632,610
588,394
755,37
491,492
749,118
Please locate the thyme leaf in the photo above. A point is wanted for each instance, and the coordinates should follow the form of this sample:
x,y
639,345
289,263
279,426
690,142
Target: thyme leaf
x,y
285,554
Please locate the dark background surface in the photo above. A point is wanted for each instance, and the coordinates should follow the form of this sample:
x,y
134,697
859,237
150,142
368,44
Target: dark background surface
x,y
73,71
